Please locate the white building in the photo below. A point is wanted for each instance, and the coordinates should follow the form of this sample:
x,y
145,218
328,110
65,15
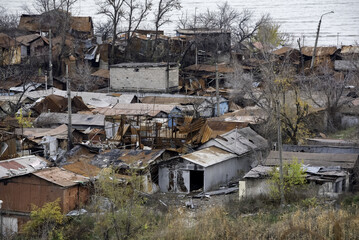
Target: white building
x,y
152,77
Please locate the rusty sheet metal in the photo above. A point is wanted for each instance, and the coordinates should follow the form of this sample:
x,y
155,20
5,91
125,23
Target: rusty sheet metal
x,y
59,132
345,161
60,177
121,132
140,158
321,51
21,166
103,73
209,156
83,168
210,68
27,39
349,50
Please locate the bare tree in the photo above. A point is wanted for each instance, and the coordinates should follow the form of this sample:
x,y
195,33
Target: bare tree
x,y
164,7
135,13
113,9
327,89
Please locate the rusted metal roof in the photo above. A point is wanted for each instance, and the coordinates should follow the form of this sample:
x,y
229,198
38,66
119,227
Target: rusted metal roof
x,y
209,156
27,39
349,49
60,177
259,172
21,166
210,68
83,168
103,73
321,51
138,159
285,50
345,161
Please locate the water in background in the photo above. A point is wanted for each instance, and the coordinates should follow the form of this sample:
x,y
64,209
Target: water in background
x,y
299,18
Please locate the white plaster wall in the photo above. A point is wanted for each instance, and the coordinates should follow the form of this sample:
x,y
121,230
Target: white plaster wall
x,y
9,225
145,79
251,188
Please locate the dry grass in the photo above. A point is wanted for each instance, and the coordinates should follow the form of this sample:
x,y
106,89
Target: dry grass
x,y
216,223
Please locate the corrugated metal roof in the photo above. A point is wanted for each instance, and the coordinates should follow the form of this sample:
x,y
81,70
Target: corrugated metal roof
x,y
60,132
258,172
113,112
209,156
104,73
345,161
21,166
139,159
60,177
321,51
210,68
143,107
239,141
77,119
83,168
27,39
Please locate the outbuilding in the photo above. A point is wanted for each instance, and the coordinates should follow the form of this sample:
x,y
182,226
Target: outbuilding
x,y
149,77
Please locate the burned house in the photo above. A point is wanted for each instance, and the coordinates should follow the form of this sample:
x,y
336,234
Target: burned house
x,y
151,77
33,45
10,50
324,56
143,163
217,162
334,173
206,45
26,182
80,27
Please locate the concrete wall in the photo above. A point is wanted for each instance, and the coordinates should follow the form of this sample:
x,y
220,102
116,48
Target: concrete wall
x,y
349,121
143,78
251,188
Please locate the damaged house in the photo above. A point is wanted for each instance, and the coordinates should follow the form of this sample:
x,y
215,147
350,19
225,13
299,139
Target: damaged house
x,y
332,173
26,181
129,161
218,162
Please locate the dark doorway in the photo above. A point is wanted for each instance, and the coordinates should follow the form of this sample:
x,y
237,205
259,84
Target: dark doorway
x,y
196,180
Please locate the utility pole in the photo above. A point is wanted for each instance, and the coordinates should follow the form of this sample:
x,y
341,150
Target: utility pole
x,y
217,90
51,80
316,39
281,181
69,111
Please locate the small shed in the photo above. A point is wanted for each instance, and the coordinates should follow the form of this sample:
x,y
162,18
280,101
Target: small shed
x,y
19,193
204,170
150,77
